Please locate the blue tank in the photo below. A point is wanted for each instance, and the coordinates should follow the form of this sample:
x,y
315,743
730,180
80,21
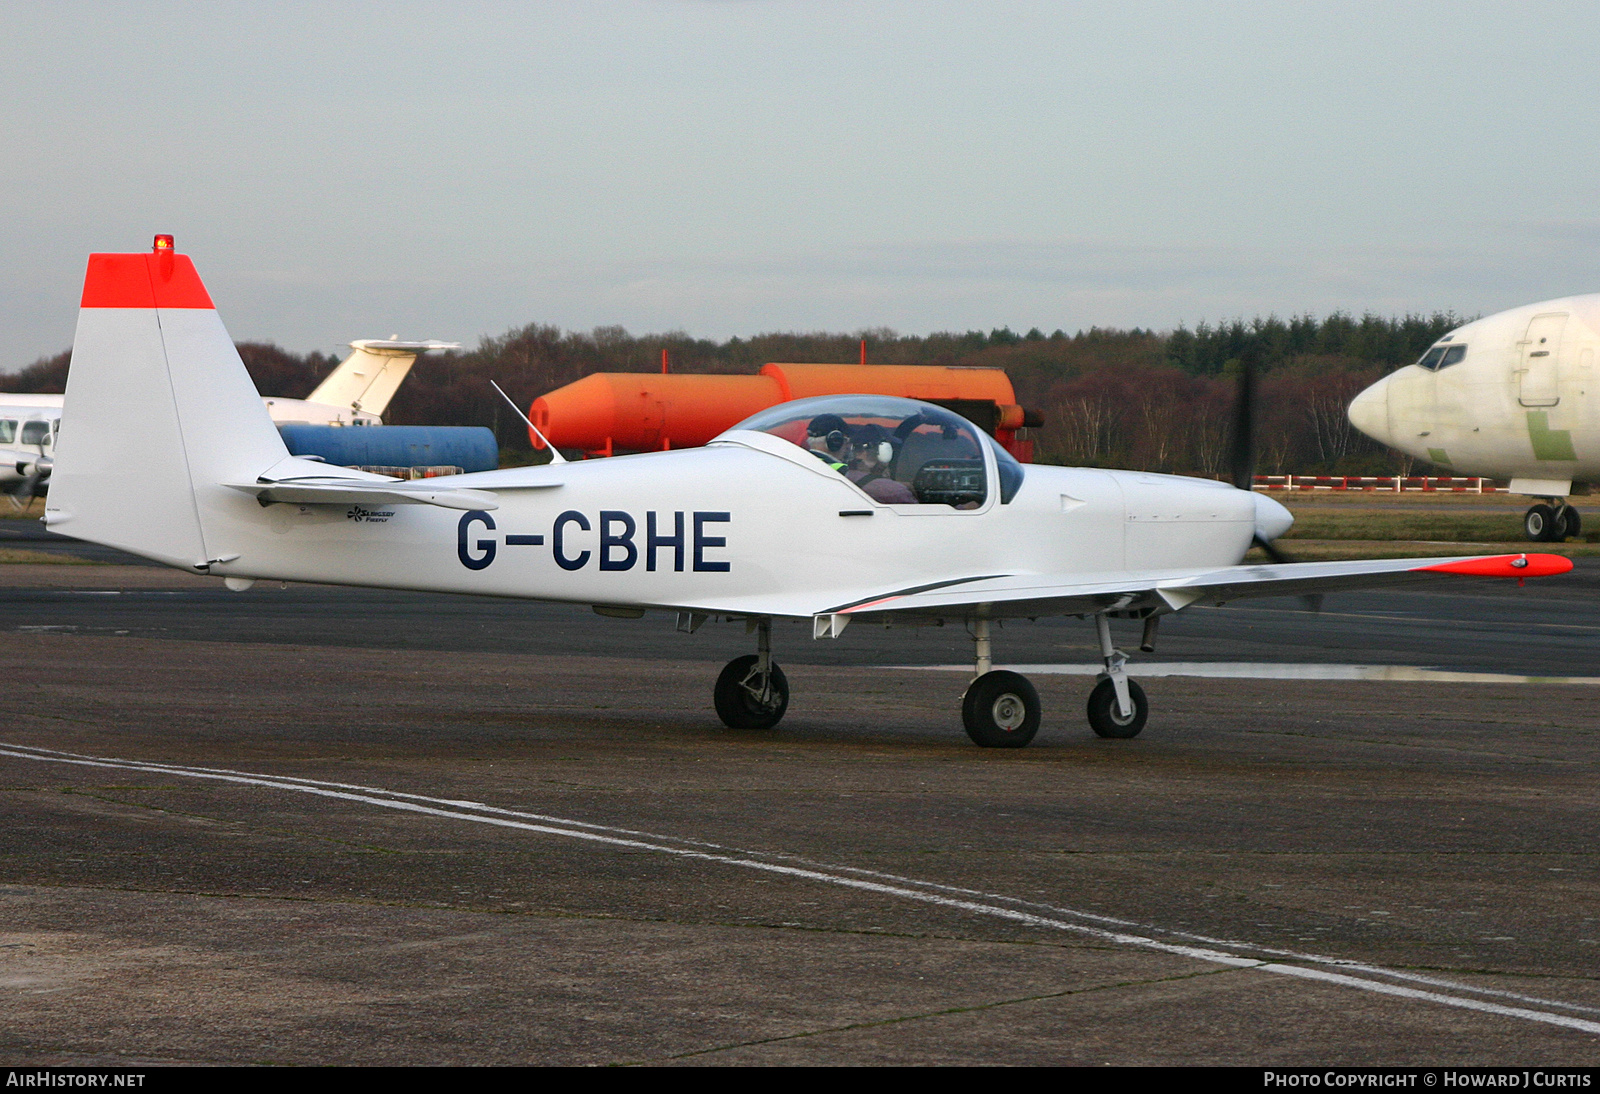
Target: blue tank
x,y
469,447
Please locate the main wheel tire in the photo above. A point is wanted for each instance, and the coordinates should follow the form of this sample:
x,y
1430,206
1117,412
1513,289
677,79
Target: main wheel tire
x,y
1542,524
1571,523
1000,710
1103,716
738,695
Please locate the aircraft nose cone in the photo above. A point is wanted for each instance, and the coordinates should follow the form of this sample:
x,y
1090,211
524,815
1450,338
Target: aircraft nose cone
x,y
1272,518
1369,411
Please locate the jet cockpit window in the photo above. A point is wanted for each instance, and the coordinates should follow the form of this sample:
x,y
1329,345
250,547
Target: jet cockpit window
x,y
1452,356
35,432
1431,359
897,450
8,430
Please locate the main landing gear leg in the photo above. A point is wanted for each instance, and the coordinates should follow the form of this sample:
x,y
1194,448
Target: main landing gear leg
x,y
999,709
752,692
1571,521
1117,706
1552,522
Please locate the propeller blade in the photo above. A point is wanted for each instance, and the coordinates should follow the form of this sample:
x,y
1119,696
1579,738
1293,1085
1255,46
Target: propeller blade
x,y
1242,447
30,488
1311,601
1270,550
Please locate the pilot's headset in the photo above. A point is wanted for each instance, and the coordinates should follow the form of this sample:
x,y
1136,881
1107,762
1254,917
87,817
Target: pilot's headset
x,y
831,428
871,433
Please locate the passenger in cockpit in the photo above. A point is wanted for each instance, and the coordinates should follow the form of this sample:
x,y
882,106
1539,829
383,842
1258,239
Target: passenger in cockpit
x,y
873,452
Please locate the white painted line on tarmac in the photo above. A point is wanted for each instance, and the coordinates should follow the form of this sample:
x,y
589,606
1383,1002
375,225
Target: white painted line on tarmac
x,y
1272,670
851,878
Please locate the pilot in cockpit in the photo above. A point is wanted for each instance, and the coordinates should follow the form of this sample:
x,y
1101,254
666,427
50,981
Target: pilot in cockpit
x,y
828,439
872,452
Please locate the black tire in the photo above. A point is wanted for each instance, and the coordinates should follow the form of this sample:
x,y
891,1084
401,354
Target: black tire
x,y
738,695
1571,523
1103,718
1541,524
1000,710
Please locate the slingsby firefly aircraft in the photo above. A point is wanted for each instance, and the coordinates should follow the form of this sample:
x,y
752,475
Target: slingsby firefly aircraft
x,y
355,393
754,526
1513,396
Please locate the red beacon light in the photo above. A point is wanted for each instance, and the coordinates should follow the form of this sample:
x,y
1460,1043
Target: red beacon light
x,y
163,243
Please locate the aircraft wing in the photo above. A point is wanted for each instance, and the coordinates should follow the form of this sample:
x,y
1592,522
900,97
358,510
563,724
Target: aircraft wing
x,y
1027,595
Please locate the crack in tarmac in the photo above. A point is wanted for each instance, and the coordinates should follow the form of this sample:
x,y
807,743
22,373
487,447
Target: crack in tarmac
x,y
944,1012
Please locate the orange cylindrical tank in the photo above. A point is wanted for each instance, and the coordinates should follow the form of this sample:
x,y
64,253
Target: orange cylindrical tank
x,y
989,385
643,411
607,412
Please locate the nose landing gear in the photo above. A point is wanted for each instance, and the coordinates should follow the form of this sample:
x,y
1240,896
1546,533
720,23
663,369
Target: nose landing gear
x,y
1117,706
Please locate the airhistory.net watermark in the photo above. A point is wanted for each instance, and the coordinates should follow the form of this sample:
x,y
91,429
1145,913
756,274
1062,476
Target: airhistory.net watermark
x,y
51,1079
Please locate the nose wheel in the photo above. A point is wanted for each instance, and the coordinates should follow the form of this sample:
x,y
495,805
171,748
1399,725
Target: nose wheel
x,y
1117,706
1108,720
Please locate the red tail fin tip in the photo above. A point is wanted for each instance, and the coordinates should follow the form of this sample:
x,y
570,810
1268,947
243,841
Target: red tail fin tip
x,y
159,278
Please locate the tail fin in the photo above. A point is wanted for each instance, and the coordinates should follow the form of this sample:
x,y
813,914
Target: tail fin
x,y
369,377
159,411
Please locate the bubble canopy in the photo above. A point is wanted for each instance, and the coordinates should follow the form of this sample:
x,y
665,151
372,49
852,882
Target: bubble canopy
x,y
897,450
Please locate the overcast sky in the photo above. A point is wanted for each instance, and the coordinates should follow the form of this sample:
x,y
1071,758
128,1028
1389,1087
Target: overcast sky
x,y
343,171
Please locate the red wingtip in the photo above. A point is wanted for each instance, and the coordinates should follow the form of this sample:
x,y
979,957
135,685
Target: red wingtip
x,y
158,279
1518,566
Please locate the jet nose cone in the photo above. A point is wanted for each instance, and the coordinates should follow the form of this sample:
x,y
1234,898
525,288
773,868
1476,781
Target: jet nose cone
x,y
1369,411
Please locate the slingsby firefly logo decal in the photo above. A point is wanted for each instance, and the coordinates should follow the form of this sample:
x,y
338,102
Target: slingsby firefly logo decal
x,y
613,541
369,516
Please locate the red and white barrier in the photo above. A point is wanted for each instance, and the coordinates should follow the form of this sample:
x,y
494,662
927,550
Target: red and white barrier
x,y
1451,484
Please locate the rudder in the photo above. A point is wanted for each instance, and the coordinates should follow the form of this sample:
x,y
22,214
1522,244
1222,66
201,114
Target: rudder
x,y
159,411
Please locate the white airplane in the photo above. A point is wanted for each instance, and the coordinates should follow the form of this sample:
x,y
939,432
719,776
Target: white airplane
x,y
767,522
1515,395
29,425
359,390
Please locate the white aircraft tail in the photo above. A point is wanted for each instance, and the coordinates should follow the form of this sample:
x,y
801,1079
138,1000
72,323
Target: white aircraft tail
x,y
159,412
368,378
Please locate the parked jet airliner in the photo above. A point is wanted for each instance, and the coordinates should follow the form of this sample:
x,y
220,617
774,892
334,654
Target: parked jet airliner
x,y
1512,396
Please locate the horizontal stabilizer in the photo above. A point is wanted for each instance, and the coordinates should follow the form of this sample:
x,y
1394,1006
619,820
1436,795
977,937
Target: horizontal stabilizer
x,y
341,491
366,380
397,348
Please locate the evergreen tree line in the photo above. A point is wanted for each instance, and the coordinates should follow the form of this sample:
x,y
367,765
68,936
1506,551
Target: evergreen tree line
x,y
1157,401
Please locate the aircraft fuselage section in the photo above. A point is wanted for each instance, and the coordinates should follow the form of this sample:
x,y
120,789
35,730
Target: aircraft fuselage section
x,y
1515,395
718,524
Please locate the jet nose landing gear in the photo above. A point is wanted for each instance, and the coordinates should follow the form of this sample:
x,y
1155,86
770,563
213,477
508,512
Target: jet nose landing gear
x,y
752,692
